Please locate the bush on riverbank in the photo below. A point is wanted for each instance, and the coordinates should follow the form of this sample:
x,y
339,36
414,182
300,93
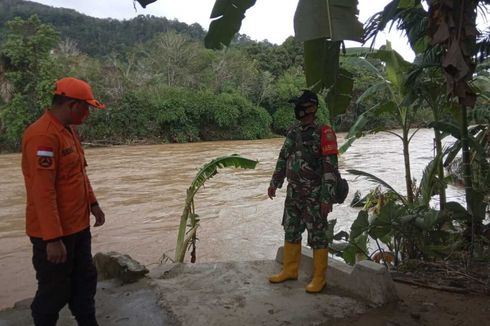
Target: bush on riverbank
x,y
178,115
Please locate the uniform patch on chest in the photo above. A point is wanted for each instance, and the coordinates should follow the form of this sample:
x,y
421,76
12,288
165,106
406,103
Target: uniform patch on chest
x,y
66,151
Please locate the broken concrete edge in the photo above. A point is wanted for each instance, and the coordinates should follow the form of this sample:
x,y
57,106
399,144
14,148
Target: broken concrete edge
x,y
366,280
341,276
114,265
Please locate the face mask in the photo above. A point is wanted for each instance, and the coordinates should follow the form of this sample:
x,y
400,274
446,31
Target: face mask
x,y
77,118
301,111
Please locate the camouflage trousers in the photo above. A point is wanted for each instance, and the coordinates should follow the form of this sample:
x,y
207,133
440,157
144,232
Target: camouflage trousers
x,y
302,211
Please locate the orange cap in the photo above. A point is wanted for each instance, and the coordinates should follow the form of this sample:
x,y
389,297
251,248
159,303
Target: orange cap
x,y
77,89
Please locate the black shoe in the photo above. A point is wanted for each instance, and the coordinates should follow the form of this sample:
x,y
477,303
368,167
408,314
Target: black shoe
x,y
86,320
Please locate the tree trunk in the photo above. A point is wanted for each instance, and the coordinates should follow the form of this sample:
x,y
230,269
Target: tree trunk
x,y
440,168
408,173
468,185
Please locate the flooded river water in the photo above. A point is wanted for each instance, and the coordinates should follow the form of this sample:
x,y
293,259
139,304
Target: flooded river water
x,y
142,191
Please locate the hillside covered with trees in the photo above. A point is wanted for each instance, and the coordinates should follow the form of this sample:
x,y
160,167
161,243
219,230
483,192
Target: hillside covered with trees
x,y
158,81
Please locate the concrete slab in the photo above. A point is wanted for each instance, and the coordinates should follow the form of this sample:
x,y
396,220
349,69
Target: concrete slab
x,y
238,293
128,305
232,293
366,280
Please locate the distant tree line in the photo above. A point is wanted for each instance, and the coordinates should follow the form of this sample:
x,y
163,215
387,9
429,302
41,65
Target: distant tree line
x,y
158,81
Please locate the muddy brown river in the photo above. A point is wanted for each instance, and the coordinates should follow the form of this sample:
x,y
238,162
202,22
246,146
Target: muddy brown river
x,y
142,191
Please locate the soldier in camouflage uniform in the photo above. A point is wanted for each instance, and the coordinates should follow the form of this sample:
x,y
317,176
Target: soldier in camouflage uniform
x,y
308,159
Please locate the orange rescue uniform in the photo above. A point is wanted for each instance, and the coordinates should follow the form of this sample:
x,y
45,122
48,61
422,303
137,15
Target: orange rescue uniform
x,y
59,194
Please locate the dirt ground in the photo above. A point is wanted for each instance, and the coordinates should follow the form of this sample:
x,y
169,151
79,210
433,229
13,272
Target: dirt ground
x,y
423,306
435,294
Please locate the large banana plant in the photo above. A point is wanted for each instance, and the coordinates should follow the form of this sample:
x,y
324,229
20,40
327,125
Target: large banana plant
x,y
392,83
189,220
450,28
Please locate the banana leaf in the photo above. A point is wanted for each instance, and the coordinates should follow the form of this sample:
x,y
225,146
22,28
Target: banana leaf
x,y
321,63
144,3
396,67
360,225
371,90
228,16
357,129
387,217
335,20
206,172
211,169
340,94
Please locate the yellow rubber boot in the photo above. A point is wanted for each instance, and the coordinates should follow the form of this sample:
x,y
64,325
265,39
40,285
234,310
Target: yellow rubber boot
x,y
320,263
290,263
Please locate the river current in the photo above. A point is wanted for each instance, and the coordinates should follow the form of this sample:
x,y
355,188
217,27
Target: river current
x,y
142,191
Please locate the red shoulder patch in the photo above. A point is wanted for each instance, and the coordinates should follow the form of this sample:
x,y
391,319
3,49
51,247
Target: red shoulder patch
x,y
328,141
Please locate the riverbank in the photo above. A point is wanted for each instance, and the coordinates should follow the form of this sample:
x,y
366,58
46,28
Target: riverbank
x,y
238,294
142,191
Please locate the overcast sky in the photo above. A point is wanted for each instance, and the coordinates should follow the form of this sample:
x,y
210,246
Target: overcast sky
x,y
268,19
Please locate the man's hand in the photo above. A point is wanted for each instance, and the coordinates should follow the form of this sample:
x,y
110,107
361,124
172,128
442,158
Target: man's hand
x,y
271,192
99,215
325,208
56,252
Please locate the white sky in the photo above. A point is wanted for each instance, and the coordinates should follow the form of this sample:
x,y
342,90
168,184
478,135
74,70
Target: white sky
x,y
268,19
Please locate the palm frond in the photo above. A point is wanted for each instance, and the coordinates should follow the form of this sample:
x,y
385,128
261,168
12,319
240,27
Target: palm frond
x,y
483,45
428,181
379,21
480,115
450,152
408,17
447,127
430,60
375,179
357,130
477,145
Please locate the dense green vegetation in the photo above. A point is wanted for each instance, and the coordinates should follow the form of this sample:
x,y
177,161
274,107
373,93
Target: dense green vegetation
x,y
158,81
444,36
162,85
96,37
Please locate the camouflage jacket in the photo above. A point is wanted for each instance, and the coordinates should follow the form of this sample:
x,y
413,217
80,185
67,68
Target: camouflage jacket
x,y
303,165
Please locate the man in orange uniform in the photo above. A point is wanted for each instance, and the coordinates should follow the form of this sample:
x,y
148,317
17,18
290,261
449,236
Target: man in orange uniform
x,y
59,202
